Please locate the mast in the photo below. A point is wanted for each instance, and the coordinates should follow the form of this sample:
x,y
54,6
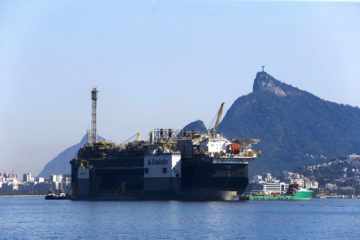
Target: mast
x,y
94,95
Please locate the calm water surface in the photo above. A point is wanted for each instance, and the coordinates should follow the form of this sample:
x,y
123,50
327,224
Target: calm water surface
x,y
32,217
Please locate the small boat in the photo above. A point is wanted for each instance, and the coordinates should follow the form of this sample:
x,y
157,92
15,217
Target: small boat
x,y
52,196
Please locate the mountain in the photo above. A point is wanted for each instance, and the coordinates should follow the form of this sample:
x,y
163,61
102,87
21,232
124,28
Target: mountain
x,y
197,126
296,128
61,163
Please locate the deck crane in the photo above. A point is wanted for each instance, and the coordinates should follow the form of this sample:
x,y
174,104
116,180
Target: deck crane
x,y
137,138
218,117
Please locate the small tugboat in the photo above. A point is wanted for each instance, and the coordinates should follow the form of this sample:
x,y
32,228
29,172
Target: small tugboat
x,y
52,196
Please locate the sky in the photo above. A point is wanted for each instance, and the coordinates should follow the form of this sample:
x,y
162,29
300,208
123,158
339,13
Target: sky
x,y
157,64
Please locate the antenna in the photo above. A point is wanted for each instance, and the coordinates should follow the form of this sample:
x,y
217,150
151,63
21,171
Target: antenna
x,y
94,96
89,136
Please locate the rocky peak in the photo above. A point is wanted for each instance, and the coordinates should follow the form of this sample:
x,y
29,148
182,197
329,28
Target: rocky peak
x,y
60,164
264,82
197,126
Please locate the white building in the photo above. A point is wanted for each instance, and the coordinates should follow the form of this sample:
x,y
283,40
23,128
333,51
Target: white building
x,y
27,177
40,179
331,186
67,180
267,177
314,184
9,177
55,178
257,178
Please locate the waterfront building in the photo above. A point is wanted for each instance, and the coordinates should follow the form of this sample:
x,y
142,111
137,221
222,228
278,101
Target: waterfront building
x,y
27,177
269,184
9,184
55,178
40,179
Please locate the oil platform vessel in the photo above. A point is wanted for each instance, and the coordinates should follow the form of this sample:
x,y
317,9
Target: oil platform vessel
x,y
172,164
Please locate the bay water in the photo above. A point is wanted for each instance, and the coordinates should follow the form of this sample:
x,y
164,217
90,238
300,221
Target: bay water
x,y
32,217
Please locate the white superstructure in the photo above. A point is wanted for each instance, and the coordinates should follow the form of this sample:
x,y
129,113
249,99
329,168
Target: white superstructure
x,y
162,165
215,145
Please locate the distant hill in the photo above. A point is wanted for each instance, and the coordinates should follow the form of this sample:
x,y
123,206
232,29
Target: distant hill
x,y
61,163
346,169
339,176
296,128
197,126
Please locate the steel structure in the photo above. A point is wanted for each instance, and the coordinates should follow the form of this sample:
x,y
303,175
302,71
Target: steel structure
x,y
94,96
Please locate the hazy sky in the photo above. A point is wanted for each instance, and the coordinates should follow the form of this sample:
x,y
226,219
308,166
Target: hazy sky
x,y
157,64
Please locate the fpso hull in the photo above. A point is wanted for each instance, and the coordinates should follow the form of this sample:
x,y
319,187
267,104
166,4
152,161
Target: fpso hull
x,y
196,195
116,180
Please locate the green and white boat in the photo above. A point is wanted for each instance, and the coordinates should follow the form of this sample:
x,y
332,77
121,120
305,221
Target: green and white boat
x,y
294,193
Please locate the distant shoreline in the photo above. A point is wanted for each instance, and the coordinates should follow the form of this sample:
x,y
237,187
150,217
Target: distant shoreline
x,y
10,195
316,197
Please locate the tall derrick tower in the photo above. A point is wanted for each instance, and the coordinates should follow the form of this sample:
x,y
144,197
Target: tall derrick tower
x,y
94,95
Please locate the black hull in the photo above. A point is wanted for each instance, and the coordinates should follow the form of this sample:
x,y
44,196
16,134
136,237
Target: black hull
x,y
195,195
204,182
